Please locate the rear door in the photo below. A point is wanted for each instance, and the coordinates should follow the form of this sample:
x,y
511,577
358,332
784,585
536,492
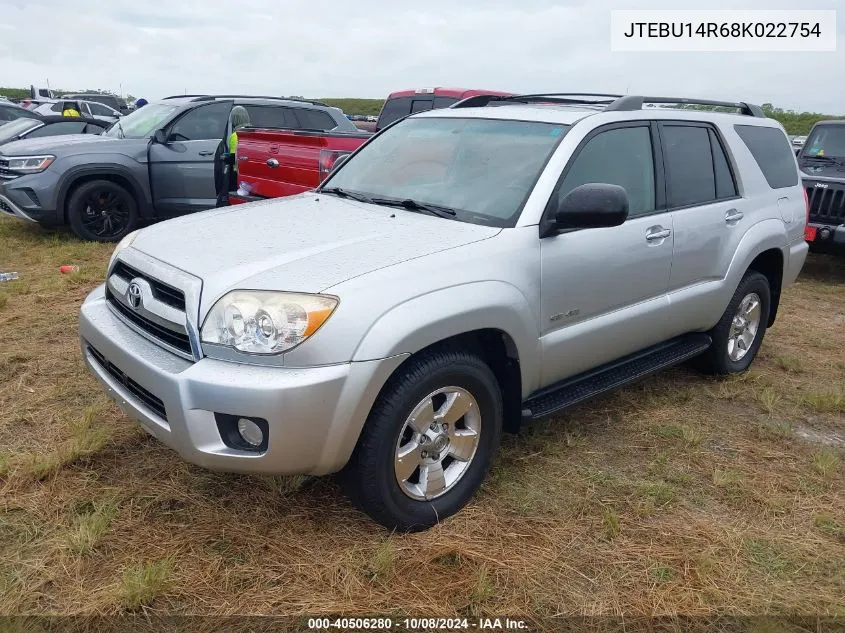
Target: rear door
x,y
708,216
182,170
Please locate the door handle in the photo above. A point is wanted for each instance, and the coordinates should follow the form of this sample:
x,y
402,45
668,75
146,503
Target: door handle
x,y
206,152
272,162
732,216
657,233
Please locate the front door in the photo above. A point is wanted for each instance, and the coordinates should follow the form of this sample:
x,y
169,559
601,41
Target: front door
x,y
182,170
604,290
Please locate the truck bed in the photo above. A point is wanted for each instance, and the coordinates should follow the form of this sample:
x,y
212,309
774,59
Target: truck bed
x,y
273,163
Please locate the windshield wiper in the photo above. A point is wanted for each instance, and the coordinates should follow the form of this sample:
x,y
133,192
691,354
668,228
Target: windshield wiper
x,y
343,193
829,159
413,205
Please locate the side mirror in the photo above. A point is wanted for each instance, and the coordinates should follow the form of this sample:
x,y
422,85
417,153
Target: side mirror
x,y
592,205
160,136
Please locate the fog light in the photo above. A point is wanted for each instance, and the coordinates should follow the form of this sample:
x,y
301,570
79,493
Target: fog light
x,y
250,432
825,233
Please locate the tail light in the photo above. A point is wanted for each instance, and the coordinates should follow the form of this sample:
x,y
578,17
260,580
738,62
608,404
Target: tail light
x,y
328,157
809,231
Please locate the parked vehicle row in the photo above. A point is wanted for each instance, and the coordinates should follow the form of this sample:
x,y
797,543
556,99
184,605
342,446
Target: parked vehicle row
x,y
464,270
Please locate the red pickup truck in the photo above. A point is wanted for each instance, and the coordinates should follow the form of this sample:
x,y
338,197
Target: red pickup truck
x,y
273,163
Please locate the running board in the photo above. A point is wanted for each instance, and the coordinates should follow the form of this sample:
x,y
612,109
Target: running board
x,y
613,375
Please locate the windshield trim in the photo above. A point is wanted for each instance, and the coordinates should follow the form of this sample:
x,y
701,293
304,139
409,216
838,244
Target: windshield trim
x,y
481,219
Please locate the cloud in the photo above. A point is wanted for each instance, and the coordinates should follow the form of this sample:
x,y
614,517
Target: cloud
x,y
371,47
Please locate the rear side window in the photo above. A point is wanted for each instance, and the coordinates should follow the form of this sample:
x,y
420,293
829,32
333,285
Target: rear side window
x,y
621,156
697,169
689,165
393,110
271,116
314,119
100,110
770,148
57,107
444,102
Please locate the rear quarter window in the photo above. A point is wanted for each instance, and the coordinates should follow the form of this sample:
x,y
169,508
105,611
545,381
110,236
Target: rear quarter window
x,y
314,120
773,153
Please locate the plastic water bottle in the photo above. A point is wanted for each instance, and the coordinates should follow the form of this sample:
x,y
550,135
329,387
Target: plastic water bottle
x,y
9,276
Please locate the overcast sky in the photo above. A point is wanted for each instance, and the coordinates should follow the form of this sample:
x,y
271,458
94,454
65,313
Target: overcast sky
x,y
367,48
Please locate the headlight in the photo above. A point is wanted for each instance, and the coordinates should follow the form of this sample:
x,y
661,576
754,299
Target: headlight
x,y
29,164
126,242
265,322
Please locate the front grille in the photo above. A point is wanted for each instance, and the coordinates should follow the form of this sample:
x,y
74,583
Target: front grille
x,y
5,172
149,399
164,293
827,204
177,340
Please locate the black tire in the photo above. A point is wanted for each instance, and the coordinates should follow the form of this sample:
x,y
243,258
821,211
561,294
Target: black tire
x,y
716,359
370,480
101,211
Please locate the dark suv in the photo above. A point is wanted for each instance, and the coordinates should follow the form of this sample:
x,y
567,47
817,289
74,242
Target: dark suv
x,y
157,162
822,162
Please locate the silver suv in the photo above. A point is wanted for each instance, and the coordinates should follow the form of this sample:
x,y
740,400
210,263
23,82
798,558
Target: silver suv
x,y
464,270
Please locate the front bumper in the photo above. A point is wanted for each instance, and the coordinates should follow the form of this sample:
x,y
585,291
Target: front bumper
x,y
826,237
30,198
314,415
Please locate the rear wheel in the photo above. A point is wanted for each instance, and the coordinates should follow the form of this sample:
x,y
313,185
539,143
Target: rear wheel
x,y
101,211
738,335
428,442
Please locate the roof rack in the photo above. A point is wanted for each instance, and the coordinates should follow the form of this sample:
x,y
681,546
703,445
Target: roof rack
x,y
611,102
212,97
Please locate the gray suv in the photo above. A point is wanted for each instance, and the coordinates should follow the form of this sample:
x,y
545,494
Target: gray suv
x,y
464,270
157,162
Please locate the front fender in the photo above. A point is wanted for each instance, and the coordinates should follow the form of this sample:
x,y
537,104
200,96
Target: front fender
x,y
427,319
139,187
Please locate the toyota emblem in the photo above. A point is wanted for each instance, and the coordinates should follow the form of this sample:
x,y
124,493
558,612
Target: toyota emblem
x,y
133,295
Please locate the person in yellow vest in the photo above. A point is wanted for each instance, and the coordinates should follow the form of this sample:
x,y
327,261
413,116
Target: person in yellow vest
x,y
71,109
239,118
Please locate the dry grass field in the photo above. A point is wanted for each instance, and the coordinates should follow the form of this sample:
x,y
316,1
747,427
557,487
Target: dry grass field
x,y
679,495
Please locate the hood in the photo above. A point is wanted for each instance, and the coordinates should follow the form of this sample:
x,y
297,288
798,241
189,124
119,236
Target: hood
x,y
304,243
823,169
46,144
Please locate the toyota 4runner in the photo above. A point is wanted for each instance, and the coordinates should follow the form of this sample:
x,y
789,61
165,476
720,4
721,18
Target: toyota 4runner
x,y
464,270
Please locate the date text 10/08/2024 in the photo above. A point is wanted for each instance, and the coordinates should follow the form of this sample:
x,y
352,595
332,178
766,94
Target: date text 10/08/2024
x,y
416,624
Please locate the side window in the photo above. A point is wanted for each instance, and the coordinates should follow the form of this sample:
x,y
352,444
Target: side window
x,y
92,128
725,185
393,110
207,122
770,148
621,156
314,120
690,177
57,107
271,116
100,110
444,102
421,105
64,127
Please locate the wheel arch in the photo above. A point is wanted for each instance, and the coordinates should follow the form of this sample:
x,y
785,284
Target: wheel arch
x,y
113,173
770,264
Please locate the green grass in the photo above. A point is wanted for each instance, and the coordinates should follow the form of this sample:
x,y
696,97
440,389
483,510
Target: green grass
x,y
827,525
826,463
141,584
825,402
91,526
765,556
370,107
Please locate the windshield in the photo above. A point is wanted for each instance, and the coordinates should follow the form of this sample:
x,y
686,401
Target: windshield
x,y
17,127
142,122
482,169
826,140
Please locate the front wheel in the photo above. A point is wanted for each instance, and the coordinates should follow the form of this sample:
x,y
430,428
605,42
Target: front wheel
x,y
739,333
101,211
428,442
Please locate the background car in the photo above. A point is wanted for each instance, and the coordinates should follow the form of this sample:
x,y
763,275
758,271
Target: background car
x,y
24,128
112,101
10,112
85,108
